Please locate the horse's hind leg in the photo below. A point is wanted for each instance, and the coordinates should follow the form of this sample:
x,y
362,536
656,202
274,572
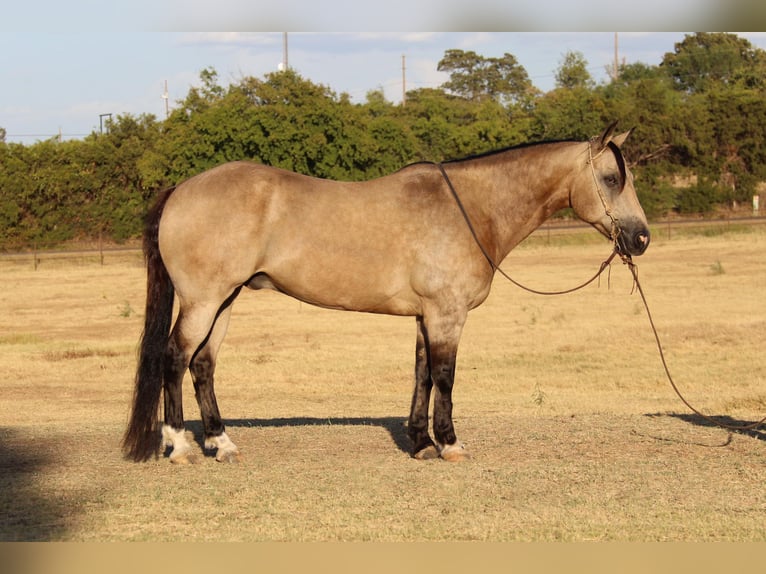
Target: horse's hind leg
x,y
192,326
202,370
173,431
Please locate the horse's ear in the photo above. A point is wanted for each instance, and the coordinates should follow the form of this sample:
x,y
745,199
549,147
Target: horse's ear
x,y
606,137
618,140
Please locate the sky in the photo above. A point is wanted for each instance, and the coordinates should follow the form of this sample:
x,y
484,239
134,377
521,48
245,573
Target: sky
x,y
65,65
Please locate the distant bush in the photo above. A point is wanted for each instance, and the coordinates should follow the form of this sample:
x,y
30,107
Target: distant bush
x,y
699,199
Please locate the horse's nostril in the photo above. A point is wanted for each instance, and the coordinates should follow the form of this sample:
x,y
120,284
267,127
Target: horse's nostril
x,y
641,241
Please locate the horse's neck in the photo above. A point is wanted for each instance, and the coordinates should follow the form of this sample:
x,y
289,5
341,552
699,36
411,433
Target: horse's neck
x,y
512,194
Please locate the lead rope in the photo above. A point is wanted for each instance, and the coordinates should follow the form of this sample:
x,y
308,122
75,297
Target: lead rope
x,y
742,428
627,260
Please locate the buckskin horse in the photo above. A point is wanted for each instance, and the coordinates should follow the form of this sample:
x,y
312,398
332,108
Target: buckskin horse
x,y
424,241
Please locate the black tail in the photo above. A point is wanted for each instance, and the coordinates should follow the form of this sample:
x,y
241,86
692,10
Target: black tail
x,y
142,439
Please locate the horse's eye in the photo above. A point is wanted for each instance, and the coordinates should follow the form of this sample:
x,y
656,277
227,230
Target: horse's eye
x,y
611,180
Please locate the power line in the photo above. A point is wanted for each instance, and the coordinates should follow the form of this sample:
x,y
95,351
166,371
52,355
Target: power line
x,y
47,135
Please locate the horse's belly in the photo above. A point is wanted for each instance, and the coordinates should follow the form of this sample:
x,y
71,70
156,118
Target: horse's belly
x,y
324,288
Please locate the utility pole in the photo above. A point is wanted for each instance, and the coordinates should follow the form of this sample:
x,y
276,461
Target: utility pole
x,y
285,65
615,71
404,81
101,122
165,97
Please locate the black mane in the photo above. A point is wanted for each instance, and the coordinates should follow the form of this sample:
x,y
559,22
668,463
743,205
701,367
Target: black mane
x,y
612,146
489,153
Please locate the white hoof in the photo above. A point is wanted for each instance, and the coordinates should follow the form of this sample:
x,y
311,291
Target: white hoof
x,y
227,450
182,450
455,453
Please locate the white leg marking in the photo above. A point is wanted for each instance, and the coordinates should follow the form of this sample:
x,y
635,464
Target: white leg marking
x,y
227,450
182,450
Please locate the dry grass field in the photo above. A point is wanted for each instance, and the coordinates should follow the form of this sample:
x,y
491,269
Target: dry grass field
x,y
574,430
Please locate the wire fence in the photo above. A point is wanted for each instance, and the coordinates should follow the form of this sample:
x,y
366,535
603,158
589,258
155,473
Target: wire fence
x,y
102,255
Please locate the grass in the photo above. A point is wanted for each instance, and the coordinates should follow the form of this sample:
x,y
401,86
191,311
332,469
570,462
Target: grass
x,y
575,433
717,268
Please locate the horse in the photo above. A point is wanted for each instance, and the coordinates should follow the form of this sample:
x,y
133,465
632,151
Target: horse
x,y
424,241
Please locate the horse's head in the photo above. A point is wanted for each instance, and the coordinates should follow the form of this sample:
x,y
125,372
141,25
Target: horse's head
x,y
603,194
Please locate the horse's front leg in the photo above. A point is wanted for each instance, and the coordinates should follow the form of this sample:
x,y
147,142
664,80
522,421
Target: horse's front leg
x,y
443,359
440,337
417,428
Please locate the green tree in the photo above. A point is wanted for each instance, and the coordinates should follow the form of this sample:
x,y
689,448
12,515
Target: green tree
x,y
388,141
722,78
737,152
476,77
124,172
573,72
569,113
637,71
14,183
643,97
286,121
50,211
705,60
700,198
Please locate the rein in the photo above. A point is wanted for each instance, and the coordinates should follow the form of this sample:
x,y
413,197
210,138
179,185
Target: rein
x,y
496,267
627,260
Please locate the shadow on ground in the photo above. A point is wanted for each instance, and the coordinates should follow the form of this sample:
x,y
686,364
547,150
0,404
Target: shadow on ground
x,y
396,426
723,422
27,513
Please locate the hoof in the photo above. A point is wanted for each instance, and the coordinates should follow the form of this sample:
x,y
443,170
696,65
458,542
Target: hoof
x,y
182,459
227,451
181,451
229,456
455,453
428,453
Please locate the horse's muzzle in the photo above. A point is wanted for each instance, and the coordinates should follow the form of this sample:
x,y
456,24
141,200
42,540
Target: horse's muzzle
x,y
633,241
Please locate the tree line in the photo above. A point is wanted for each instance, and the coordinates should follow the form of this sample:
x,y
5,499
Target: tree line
x,y
698,145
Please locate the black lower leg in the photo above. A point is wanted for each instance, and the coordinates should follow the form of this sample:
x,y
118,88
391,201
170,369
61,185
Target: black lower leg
x,y
417,427
202,369
175,366
444,430
443,373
